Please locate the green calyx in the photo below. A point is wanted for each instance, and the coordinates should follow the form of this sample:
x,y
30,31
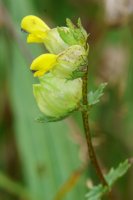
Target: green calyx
x,y
54,42
71,63
57,97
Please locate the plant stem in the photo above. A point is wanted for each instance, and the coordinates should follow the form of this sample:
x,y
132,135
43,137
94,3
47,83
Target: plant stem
x,y
91,151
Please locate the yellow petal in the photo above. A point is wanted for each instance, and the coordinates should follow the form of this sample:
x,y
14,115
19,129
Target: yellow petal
x,y
32,24
39,73
36,38
36,28
43,63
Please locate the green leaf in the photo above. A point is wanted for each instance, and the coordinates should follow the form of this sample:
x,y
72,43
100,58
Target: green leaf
x,y
114,174
97,192
94,97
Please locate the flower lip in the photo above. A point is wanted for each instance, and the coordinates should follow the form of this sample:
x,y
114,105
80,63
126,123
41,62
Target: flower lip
x,y
43,64
35,27
32,24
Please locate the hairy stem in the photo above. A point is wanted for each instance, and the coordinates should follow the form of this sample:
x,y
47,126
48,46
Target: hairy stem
x,y
91,151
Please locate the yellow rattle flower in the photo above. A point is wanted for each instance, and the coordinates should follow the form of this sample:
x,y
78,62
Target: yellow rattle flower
x,y
36,28
39,32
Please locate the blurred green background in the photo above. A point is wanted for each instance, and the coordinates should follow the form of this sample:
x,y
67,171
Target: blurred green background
x,y
49,161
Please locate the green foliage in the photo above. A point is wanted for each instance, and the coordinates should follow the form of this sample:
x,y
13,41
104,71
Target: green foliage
x,y
114,174
97,192
94,97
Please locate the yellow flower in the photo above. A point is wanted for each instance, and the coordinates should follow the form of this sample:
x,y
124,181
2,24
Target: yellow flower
x,y
43,64
36,28
39,32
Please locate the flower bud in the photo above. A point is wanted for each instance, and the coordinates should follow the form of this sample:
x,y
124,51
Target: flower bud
x,y
57,97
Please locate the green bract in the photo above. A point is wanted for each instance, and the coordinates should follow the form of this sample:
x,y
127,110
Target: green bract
x,y
74,34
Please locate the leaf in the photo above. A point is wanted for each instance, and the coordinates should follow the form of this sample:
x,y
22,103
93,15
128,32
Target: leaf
x,y
114,174
98,191
94,97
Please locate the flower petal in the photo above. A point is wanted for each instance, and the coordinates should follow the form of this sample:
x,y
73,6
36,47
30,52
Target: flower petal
x,y
43,63
36,38
39,73
32,24
36,28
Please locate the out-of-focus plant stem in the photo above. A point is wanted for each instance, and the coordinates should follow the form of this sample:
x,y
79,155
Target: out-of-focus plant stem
x,y
13,187
91,151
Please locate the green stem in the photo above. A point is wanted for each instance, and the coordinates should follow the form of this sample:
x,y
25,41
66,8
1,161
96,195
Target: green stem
x,y
91,151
